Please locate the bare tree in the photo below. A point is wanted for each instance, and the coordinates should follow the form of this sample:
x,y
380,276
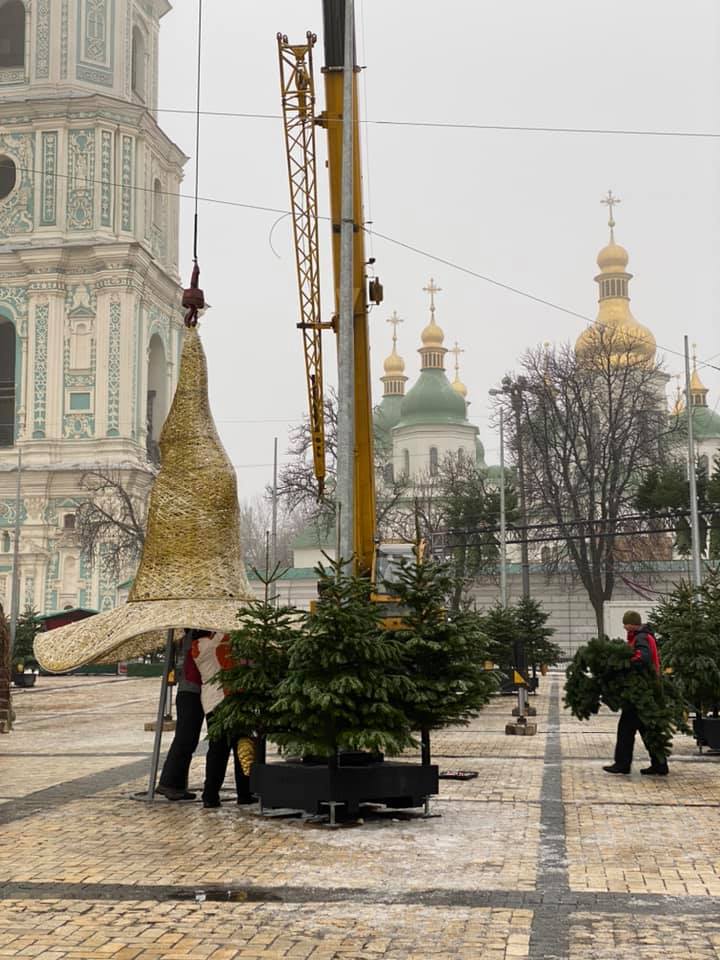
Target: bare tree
x,y
256,525
297,486
591,426
110,522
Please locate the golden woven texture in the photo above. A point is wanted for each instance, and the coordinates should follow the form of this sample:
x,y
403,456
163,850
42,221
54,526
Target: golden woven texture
x,y
245,748
191,571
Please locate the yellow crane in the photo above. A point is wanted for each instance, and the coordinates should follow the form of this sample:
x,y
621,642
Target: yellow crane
x,y
298,101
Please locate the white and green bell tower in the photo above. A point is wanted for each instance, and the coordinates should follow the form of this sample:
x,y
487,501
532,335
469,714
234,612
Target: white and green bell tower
x,y
90,317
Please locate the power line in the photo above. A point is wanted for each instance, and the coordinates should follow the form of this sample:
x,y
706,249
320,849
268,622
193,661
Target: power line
x,y
517,290
466,125
373,233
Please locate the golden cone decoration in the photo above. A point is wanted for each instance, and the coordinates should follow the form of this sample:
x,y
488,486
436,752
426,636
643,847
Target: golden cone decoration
x,y
245,749
191,572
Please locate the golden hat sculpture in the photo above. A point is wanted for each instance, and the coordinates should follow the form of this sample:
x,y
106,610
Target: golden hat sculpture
x,y
191,571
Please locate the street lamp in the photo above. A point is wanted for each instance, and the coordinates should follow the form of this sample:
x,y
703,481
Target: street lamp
x,y
503,527
513,390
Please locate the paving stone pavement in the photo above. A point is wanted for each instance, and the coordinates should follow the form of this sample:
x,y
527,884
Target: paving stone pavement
x,y
541,856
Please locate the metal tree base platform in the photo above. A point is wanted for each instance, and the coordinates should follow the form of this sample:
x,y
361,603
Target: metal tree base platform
x,y
319,789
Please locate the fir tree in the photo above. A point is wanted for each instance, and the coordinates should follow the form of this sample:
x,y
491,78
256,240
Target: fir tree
x,y
345,687
443,654
687,623
531,621
602,672
260,653
501,627
28,625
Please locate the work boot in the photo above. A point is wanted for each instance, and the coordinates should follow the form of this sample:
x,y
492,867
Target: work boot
x,y
614,768
655,771
172,793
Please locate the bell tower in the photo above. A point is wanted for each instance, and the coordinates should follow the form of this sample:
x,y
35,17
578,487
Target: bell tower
x,y
90,317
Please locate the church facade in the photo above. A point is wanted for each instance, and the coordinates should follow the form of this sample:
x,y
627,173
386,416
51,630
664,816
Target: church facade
x,y
90,319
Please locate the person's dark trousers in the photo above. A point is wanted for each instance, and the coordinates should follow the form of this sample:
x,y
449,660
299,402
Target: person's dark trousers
x,y
628,725
216,766
187,736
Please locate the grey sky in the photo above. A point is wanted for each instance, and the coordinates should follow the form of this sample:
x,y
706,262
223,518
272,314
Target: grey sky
x,y
522,208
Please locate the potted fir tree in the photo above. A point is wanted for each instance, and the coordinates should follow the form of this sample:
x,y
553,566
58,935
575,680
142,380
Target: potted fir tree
x,y
24,666
344,692
444,655
540,651
687,625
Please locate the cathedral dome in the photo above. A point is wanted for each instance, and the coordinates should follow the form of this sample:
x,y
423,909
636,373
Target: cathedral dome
x,y
459,387
432,400
394,364
615,332
432,335
613,258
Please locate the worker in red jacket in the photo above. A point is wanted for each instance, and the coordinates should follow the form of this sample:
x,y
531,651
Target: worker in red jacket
x,y
645,657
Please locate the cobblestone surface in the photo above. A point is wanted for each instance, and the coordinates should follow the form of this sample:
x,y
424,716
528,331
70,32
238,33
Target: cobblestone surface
x,y
540,856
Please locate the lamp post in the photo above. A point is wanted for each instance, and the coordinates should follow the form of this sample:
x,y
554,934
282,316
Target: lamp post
x,y
513,390
503,525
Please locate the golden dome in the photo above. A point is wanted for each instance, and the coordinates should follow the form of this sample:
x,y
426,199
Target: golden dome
x,y
613,258
696,383
394,364
432,335
459,387
616,332
619,334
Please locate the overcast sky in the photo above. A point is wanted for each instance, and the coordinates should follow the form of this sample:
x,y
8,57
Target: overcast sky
x,y
519,207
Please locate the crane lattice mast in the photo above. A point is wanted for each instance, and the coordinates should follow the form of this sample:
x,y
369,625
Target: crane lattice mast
x,y
298,103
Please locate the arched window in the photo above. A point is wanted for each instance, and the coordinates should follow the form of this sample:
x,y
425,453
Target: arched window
x,y
388,473
138,62
406,463
12,34
461,453
433,462
5,542
157,396
69,521
704,464
7,382
8,176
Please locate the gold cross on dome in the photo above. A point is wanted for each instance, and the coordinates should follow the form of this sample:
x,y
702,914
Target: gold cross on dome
x,y
395,319
432,290
610,201
694,355
457,351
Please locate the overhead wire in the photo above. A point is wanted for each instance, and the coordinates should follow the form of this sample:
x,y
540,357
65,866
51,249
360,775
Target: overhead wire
x,y
467,125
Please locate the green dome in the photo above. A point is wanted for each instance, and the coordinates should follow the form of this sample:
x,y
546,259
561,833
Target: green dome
x,y
432,400
706,423
387,413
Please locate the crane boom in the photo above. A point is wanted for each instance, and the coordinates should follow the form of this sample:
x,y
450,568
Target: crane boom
x,y
298,103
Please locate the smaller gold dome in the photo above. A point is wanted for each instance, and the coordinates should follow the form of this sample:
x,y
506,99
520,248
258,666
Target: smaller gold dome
x,y
394,364
432,335
696,383
613,258
459,387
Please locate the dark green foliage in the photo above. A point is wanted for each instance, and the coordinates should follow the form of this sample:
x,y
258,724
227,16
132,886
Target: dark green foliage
x,y
666,490
500,626
601,672
443,654
531,621
27,627
687,624
345,687
526,620
260,649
